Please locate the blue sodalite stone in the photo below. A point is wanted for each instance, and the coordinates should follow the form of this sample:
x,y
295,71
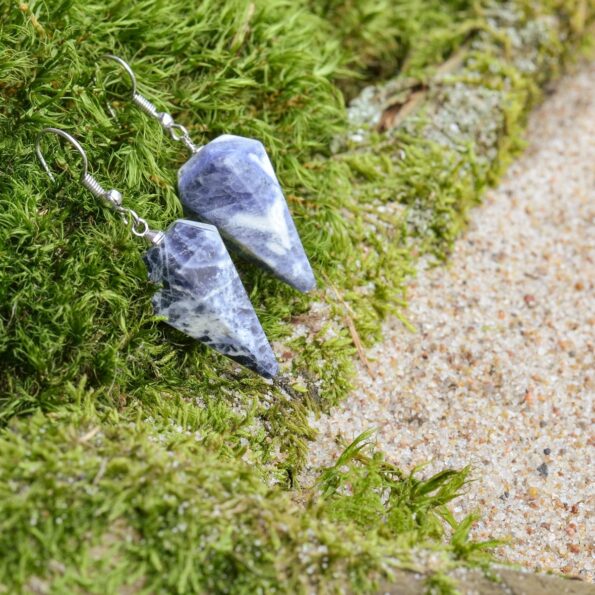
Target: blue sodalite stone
x,y
203,296
230,183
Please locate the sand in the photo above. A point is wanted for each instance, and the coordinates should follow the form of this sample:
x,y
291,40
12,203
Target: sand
x,y
500,374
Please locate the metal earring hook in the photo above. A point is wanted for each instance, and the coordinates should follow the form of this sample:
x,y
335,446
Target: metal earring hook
x,y
71,140
113,197
131,75
126,68
177,132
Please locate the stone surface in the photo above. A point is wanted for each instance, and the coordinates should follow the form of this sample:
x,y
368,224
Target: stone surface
x,y
203,296
231,184
502,581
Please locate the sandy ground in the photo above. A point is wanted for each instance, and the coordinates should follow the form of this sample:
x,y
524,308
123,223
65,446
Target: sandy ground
x,y
501,372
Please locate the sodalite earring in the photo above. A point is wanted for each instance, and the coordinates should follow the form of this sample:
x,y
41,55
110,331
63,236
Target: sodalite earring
x,y
202,294
230,183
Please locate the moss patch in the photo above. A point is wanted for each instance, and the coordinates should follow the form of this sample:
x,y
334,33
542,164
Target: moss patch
x,y
97,502
112,421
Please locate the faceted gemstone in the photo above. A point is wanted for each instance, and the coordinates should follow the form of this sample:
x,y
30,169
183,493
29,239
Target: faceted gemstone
x,y
203,296
230,183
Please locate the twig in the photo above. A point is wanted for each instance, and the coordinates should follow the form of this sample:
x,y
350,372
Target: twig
x,y
361,352
395,114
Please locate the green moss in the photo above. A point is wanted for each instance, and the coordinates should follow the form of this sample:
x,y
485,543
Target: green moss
x,y
178,423
380,38
97,502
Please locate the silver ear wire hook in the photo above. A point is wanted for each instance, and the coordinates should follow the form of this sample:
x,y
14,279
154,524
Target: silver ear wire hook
x,y
71,140
177,132
113,197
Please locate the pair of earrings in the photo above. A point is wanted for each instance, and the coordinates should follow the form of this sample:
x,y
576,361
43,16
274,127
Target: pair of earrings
x,y
230,187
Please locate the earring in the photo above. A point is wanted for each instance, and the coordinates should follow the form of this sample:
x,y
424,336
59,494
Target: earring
x,y
201,294
230,183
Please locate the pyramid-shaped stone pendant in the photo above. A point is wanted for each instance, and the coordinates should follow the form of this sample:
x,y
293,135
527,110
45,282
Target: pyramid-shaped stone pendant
x,y
203,296
231,184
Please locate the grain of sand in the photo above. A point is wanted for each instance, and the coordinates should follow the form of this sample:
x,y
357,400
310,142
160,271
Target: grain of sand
x,y
500,374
